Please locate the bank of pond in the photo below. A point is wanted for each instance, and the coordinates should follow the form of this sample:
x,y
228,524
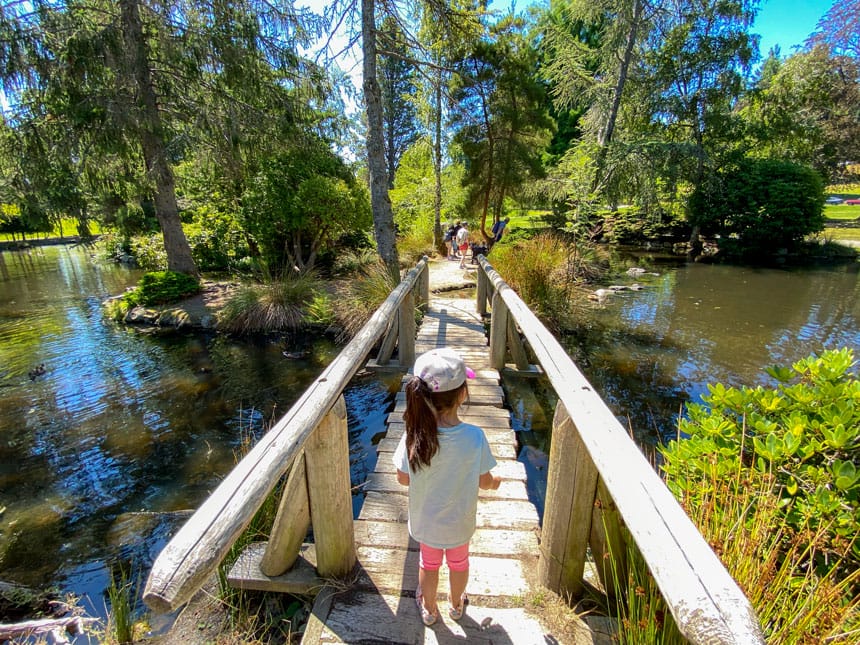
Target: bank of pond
x,y
108,435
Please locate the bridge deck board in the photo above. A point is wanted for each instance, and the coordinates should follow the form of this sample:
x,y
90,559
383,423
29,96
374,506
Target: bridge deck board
x,y
381,605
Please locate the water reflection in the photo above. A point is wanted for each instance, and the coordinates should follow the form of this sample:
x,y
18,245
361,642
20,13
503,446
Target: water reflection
x,y
123,422
650,352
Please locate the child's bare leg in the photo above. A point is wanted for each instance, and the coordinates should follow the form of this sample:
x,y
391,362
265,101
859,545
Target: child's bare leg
x,y
458,580
429,583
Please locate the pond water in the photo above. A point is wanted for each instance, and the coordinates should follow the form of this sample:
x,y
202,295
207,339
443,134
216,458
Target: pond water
x,y
649,352
102,454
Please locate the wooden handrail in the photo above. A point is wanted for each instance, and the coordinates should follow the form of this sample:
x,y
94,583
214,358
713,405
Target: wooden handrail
x,y
204,540
706,602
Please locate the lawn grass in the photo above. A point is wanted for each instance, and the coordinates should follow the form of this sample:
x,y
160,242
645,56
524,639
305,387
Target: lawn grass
x,y
69,229
837,234
842,211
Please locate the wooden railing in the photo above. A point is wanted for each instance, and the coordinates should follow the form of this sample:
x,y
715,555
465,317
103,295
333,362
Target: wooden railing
x,y
312,439
598,481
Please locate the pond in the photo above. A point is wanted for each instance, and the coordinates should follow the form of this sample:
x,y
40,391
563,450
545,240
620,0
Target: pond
x,y
649,352
102,455
108,435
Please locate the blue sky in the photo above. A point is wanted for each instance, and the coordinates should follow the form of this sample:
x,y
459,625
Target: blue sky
x,y
787,23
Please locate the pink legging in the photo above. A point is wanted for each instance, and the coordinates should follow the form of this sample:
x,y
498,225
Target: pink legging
x,y
457,558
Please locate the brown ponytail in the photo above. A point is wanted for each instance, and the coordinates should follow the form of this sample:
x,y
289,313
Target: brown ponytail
x,y
422,431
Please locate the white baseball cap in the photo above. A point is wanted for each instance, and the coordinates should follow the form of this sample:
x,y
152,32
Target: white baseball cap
x,y
442,369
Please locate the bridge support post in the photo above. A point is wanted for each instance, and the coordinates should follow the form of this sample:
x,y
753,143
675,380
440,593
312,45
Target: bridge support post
x,y
424,286
327,464
483,283
498,332
291,523
406,333
570,492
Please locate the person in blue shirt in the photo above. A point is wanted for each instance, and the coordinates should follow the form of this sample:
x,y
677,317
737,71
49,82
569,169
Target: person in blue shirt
x,y
499,229
444,461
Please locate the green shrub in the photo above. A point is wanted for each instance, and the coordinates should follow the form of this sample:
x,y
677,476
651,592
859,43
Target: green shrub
x,y
770,477
162,287
361,296
765,204
320,310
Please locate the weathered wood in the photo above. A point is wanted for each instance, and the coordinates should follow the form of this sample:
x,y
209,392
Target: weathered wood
x,y
607,541
386,349
705,601
570,490
515,344
492,514
301,579
291,523
498,332
481,295
406,331
424,286
486,542
56,627
327,459
201,544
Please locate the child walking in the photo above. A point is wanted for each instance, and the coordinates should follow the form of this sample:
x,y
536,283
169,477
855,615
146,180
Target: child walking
x,y
443,461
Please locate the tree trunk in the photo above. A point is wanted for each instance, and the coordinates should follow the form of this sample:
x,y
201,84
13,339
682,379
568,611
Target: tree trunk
x,y
152,143
438,236
606,135
383,218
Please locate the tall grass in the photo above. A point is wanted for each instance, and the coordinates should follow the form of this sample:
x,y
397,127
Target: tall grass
x,y
547,271
361,296
277,305
122,621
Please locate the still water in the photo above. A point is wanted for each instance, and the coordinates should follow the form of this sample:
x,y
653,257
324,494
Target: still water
x,y
102,454
649,352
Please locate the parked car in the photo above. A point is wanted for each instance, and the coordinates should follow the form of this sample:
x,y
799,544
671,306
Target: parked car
x,y
852,202
833,199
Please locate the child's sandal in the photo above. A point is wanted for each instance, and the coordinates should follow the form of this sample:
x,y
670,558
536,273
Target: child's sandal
x,y
456,613
426,617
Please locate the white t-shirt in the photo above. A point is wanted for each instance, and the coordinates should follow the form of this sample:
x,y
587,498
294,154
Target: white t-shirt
x,y
443,497
462,236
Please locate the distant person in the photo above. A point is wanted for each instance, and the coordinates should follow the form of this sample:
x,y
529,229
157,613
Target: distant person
x,y
449,241
463,244
499,229
444,462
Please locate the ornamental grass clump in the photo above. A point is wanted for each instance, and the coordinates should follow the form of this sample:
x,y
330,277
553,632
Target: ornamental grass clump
x,y
770,478
358,299
278,305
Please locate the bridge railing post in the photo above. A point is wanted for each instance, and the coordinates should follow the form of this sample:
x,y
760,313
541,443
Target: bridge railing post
x,y
328,481
570,493
498,332
424,286
483,283
406,331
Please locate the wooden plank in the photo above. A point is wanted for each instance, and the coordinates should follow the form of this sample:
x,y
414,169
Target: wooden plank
x,y
495,435
302,578
394,570
393,619
505,450
492,514
484,542
506,468
387,483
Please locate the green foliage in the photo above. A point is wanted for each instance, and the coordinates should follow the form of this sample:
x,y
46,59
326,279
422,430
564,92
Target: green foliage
x,y
162,287
121,617
276,305
300,202
148,251
320,309
544,271
802,439
767,204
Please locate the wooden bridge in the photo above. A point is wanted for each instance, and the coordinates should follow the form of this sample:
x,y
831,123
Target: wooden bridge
x,y
364,572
